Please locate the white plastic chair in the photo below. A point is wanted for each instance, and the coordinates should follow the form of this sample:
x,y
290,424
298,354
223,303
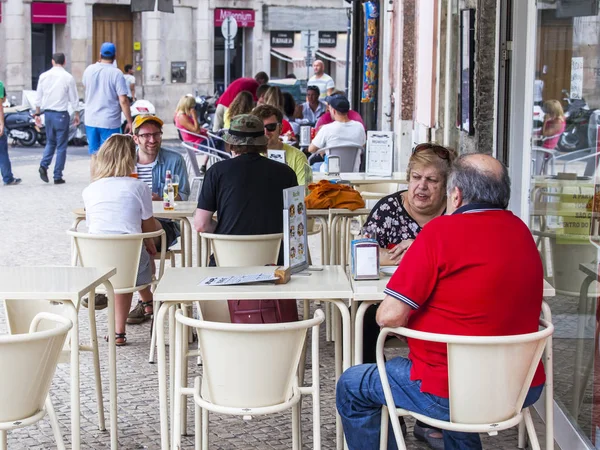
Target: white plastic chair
x,y
29,361
488,377
237,251
248,370
123,252
349,156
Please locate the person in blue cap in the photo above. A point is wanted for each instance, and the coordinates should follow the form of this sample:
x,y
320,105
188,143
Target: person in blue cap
x,y
105,97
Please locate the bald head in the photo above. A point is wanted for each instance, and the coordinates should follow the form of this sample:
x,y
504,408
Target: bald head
x,y
478,178
318,67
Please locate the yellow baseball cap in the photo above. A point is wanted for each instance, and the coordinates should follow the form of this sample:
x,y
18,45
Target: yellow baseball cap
x,y
143,118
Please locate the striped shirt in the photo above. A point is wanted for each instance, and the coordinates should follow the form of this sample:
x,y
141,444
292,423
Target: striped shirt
x,y
144,172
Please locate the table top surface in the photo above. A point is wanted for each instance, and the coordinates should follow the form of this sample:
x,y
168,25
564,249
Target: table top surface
x,y
337,212
182,209
182,284
29,282
361,177
365,290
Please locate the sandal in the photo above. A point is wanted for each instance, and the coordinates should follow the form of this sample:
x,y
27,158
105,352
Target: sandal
x,y
425,434
120,339
148,305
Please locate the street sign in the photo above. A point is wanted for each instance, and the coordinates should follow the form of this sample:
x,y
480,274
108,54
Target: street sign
x,y
309,40
229,28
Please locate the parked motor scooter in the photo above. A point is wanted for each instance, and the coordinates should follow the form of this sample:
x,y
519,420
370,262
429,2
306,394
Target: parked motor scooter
x,y
206,108
138,107
581,127
20,126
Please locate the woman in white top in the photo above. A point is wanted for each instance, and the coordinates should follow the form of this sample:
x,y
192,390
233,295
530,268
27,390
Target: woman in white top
x,y
116,203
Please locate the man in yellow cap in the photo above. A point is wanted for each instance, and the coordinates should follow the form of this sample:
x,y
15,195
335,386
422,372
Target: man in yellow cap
x,y
153,161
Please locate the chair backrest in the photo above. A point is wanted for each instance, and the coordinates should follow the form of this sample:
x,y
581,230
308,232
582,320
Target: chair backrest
x,y
121,251
489,377
349,156
29,362
238,372
191,163
246,250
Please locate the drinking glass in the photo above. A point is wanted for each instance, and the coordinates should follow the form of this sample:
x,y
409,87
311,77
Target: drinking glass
x,y
176,184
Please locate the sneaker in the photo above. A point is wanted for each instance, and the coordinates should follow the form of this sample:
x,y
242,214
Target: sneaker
x,y
44,174
203,169
14,182
137,315
59,181
101,302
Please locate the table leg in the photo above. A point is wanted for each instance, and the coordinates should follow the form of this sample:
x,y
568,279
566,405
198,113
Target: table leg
x,y
183,240
358,329
112,365
96,358
346,344
325,238
549,388
162,374
75,394
188,242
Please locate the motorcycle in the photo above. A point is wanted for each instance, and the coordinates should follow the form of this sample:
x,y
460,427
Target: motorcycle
x,y
77,135
20,125
138,107
581,127
206,108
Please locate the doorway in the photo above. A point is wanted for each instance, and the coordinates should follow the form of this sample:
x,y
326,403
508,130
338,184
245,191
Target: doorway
x,y
42,46
113,23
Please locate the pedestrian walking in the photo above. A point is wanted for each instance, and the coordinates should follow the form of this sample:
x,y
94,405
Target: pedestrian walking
x,y
5,167
56,89
105,97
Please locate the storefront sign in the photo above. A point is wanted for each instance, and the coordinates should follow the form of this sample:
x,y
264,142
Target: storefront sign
x,y
327,39
44,12
282,39
244,17
137,46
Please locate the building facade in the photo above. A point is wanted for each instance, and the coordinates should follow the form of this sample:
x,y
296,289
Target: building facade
x,y
172,54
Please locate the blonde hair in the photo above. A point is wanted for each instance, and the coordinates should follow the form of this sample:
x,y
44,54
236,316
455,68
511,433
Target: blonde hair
x,y
554,109
241,104
185,104
429,158
273,97
116,157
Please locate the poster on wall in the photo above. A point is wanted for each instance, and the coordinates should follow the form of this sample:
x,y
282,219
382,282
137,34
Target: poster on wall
x,y
295,241
371,50
380,153
576,77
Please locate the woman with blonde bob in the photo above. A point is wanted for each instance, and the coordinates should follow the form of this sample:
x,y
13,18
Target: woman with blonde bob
x,y
554,123
117,203
186,121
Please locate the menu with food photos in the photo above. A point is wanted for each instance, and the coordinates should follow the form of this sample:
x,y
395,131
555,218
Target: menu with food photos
x,y
295,241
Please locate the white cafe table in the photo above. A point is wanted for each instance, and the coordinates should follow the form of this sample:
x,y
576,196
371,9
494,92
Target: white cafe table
x,y
183,211
69,285
181,285
361,178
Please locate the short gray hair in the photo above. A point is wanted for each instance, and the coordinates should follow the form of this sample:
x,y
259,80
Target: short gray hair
x,y
479,186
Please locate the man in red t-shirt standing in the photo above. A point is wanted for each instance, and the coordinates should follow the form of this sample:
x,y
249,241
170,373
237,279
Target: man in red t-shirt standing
x,y
475,272
239,85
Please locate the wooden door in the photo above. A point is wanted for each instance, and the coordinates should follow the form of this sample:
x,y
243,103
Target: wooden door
x,y
114,24
555,50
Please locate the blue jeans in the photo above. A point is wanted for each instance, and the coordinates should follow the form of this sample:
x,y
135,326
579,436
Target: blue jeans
x,y
359,397
57,138
96,137
5,167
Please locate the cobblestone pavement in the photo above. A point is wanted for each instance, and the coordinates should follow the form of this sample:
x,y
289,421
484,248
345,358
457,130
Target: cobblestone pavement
x,y
33,220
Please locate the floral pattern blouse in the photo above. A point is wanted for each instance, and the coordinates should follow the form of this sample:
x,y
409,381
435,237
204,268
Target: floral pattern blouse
x,y
390,222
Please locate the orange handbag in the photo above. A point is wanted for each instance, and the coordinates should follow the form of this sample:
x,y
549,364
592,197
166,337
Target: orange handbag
x,y
326,195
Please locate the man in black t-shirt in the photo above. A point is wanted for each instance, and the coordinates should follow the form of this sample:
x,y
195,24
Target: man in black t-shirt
x,y
246,191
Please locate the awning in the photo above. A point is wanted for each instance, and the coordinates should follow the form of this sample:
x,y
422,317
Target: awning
x,y
290,55
335,54
43,12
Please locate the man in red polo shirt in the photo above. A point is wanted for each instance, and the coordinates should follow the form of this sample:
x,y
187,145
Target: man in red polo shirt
x,y
475,272
237,86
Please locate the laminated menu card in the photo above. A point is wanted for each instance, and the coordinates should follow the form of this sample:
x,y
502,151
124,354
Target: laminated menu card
x,y
364,261
295,241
